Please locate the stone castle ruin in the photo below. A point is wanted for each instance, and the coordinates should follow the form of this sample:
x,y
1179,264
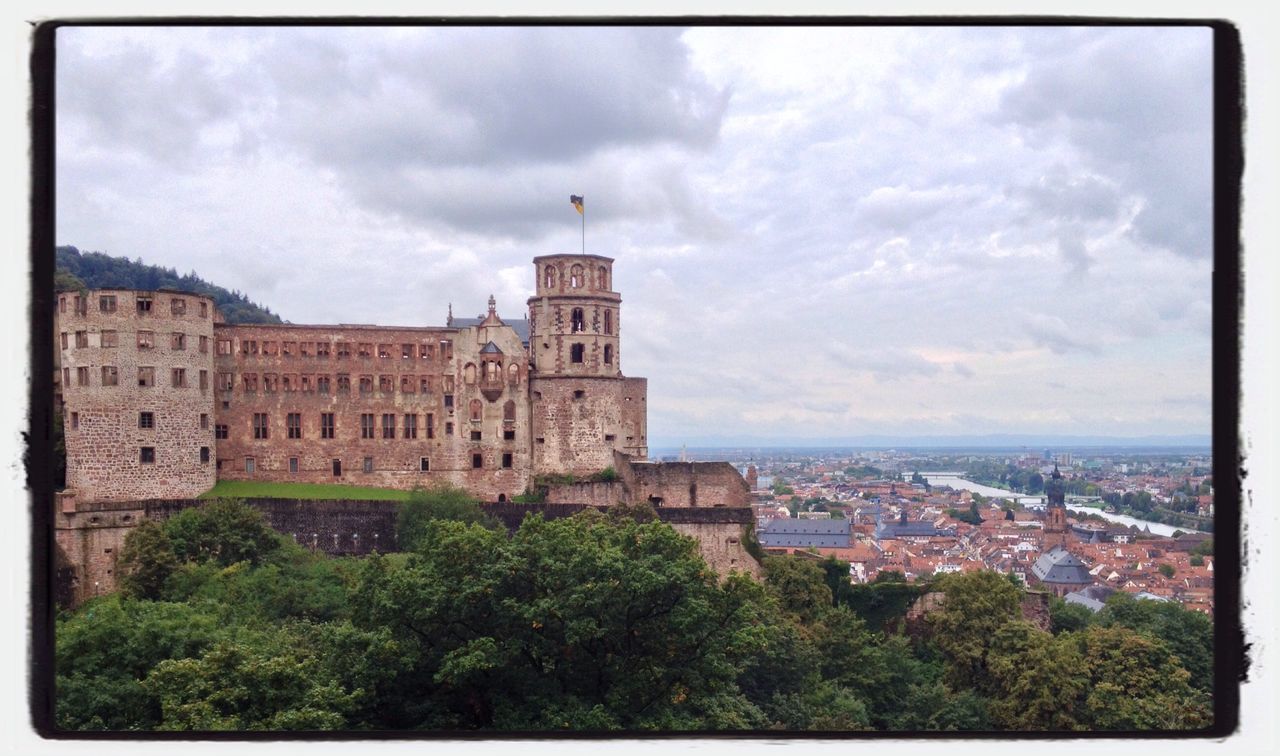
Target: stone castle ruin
x,y
161,399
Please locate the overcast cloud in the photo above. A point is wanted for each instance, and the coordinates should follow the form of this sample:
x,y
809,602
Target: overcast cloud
x,y
819,232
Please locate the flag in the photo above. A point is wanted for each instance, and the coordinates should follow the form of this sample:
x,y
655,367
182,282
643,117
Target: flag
x,y
577,203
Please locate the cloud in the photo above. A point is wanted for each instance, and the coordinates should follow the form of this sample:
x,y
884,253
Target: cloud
x,y
1053,332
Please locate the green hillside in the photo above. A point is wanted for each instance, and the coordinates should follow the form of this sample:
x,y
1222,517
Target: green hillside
x,y
95,270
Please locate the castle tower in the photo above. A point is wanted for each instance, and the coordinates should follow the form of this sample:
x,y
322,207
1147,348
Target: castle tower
x,y
137,392
753,479
584,409
1055,521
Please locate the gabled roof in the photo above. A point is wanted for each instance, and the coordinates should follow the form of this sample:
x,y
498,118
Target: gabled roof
x,y
490,348
1057,565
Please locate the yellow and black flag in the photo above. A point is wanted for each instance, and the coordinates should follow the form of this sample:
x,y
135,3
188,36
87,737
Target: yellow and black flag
x,y
577,203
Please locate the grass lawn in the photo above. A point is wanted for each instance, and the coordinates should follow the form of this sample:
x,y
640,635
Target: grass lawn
x,y
245,489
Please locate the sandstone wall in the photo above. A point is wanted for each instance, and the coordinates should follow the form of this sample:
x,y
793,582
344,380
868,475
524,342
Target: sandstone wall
x,y
689,484
594,494
436,384
720,544
103,426
578,423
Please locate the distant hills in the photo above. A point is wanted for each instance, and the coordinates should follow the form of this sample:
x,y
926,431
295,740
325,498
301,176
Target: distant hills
x,y
993,442
78,270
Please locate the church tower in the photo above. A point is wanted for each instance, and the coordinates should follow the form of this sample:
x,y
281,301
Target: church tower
x,y
583,407
1055,521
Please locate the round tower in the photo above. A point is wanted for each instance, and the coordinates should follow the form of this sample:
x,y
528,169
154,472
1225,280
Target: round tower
x,y
574,317
137,393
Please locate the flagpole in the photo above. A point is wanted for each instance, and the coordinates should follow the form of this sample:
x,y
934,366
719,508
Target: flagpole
x,y
584,225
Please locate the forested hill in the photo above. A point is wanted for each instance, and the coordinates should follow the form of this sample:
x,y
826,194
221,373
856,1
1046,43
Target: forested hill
x,y
95,270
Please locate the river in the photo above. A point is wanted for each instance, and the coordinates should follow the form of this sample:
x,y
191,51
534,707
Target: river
x,y
959,483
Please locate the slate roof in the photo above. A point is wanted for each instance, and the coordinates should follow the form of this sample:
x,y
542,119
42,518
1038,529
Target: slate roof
x,y
490,348
521,326
1091,597
785,532
1057,565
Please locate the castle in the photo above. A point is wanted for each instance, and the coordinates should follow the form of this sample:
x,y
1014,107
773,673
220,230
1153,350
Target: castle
x,y
161,399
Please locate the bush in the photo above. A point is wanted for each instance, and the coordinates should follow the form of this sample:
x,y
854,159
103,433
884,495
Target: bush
x,y
442,502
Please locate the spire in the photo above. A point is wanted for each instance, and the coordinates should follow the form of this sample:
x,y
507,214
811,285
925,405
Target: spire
x,y
493,304
449,320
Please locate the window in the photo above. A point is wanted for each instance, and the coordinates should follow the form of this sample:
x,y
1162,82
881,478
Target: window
x,y
226,381
82,339
406,351
293,425
178,306
293,464
62,305
477,461
365,351
476,435
327,425
431,425
469,374
448,400
609,437
384,351
608,354
260,428
575,277
602,276
608,322
549,277
204,380
64,340
269,347
270,382
427,351
82,305
576,321
386,384
224,346
366,425
424,465
322,350
508,435
448,384
507,459
144,304
344,350
146,376
204,309
446,349
110,375
576,352
178,342
250,465
322,384
337,468
344,383
368,464
204,455
388,426
178,377
288,348
513,372
204,421
204,345
146,420
448,429
146,339
66,376
424,384
75,421
220,431
147,455
306,348
475,410
578,394
509,412
82,376
366,384
407,385
249,346
410,426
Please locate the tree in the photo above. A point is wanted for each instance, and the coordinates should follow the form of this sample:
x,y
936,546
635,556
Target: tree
x,y
1038,679
224,531
1136,683
1065,617
146,561
976,605
1166,569
1197,560
442,502
1187,633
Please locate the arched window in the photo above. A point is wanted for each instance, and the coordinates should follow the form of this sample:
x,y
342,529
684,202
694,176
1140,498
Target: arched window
x,y
509,411
575,277
469,374
513,373
551,276
608,354
604,278
576,352
608,322
577,323
476,409
492,372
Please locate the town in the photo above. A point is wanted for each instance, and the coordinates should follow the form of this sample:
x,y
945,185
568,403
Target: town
x,y
883,513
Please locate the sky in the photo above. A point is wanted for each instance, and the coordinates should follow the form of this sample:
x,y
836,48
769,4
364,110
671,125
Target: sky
x,y
819,233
